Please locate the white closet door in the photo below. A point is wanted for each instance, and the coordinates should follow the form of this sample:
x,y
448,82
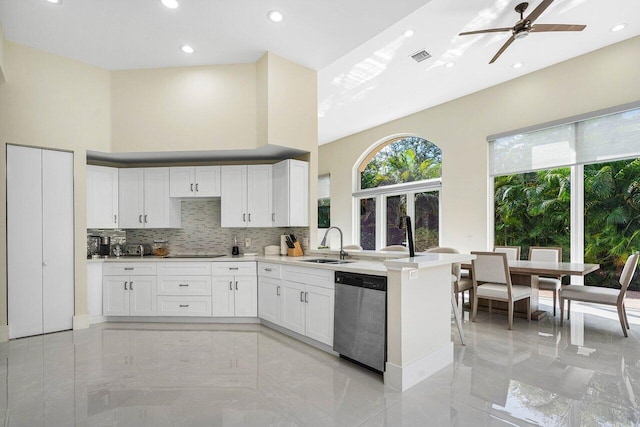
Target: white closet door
x,y
57,241
24,237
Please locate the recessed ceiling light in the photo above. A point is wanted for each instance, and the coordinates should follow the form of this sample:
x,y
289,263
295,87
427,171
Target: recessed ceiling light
x,y
618,27
185,48
518,65
170,4
408,33
450,64
55,1
275,16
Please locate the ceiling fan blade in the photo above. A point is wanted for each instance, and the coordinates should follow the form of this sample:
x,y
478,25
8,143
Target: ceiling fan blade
x,y
490,30
543,28
502,49
538,10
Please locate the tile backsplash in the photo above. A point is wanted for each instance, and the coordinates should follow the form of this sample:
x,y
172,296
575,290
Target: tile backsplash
x,y
201,232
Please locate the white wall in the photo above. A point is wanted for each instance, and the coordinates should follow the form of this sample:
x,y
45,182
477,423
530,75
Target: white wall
x,y
600,79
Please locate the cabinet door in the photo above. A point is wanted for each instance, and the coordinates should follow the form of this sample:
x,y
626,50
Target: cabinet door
x,y
280,188
298,193
259,212
207,181
269,299
233,196
142,296
182,182
319,316
115,298
222,296
131,198
157,203
246,296
102,197
292,314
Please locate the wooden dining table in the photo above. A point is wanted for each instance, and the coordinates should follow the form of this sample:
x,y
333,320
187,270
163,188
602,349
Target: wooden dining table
x,y
527,273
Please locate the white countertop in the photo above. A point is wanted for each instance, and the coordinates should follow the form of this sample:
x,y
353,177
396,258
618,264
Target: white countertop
x,y
428,260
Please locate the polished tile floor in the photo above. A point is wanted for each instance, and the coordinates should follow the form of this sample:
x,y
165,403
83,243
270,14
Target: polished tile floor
x,y
584,374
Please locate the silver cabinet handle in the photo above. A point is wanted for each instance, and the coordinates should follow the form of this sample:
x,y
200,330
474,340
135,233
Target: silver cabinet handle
x,y
115,219
197,187
184,305
44,264
140,219
192,187
301,296
249,217
236,286
267,269
278,291
130,286
129,268
244,217
233,268
125,286
186,284
145,218
273,217
306,297
230,286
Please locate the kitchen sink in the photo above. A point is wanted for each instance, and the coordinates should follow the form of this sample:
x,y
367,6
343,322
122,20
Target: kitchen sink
x,y
326,261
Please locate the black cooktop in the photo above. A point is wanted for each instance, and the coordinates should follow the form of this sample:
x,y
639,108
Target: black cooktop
x,y
194,256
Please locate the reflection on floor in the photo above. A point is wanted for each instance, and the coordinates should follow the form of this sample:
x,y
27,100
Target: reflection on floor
x,y
585,373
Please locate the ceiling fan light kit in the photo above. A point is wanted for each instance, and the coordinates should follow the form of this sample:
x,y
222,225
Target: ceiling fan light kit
x,y
525,26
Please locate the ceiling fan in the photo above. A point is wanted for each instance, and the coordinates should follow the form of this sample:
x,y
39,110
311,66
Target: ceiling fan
x,y
524,26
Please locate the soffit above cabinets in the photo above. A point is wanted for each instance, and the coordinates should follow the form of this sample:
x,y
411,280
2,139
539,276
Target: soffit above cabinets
x,y
267,152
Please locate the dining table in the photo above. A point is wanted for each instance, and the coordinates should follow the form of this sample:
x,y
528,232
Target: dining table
x,y
526,273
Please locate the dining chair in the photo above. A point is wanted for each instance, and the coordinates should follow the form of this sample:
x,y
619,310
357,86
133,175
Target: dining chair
x,y
513,252
492,281
606,296
356,247
455,279
554,283
395,248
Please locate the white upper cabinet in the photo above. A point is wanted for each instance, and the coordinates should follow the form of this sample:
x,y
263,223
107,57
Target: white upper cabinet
x,y
245,193
144,200
102,197
198,181
291,194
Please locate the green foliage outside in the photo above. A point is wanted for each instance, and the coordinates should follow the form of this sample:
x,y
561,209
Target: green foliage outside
x,y
405,160
533,209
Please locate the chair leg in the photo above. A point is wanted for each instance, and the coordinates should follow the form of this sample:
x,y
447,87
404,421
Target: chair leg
x,y
561,310
626,319
458,315
555,293
622,321
568,309
510,315
474,309
529,310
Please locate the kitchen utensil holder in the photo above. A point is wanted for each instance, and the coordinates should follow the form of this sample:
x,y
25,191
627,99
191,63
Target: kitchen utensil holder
x,y
296,251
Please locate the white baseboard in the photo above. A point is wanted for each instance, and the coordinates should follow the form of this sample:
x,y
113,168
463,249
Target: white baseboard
x,y
81,321
4,333
180,319
404,377
93,319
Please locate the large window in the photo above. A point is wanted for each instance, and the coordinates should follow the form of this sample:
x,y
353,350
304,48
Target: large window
x,y
399,178
575,185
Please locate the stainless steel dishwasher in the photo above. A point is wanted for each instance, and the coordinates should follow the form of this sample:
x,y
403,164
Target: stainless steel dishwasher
x,y
360,322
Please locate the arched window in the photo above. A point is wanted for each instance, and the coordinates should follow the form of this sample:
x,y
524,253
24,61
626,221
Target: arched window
x,y
395,178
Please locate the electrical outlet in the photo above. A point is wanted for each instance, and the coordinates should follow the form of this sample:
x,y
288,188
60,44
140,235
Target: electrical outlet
x,y
413,274
305,242
247,241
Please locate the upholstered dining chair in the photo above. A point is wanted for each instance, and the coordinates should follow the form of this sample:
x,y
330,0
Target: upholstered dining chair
x,y
548,254
395,248
598,295
492,281
352,247
455,279
513,252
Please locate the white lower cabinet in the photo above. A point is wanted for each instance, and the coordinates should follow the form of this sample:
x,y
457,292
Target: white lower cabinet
x,y
129,295
269,291
234,296
184,289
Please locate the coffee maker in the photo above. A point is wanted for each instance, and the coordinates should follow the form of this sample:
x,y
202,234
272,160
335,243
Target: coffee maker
x,y
105,246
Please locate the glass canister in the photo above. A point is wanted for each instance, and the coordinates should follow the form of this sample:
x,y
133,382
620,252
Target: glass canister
x,y
160,247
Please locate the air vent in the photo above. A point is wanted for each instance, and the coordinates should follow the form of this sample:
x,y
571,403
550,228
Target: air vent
x,y
421,55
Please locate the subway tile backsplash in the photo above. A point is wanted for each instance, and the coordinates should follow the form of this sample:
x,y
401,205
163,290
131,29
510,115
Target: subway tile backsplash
x,y
201,232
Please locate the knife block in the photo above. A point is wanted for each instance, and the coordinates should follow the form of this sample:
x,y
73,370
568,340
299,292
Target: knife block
x,y
296,251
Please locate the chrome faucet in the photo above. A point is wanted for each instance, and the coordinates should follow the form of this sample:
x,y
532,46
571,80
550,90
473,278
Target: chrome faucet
x,y
343,254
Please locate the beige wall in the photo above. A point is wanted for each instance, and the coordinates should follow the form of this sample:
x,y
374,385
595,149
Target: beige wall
x,y
52,102
183,109
2,43
600,79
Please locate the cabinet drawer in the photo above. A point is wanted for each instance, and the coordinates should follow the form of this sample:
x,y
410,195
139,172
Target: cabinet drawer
x,y
234,268
267,269
187,285
184,268
310,276
129,268
184,306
